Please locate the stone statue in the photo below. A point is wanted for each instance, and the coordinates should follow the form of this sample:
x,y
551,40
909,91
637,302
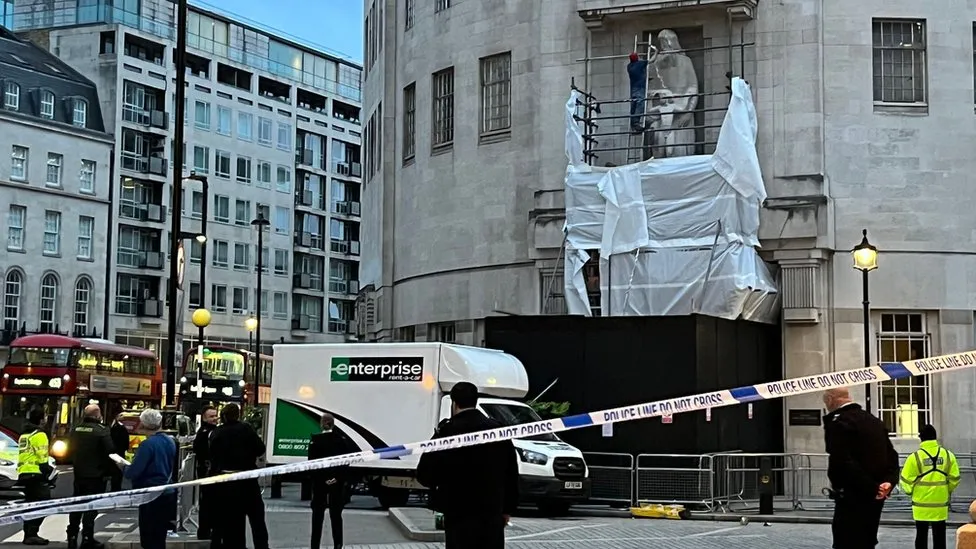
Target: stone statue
x,y
674,97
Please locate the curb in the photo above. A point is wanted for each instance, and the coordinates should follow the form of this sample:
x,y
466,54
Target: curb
x,y
787,519
411,530
130,540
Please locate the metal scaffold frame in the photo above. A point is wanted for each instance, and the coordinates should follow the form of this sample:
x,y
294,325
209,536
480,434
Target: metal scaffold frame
x,y
640,145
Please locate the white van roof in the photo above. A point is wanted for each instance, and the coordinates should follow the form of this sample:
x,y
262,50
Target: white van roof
x,y
494,373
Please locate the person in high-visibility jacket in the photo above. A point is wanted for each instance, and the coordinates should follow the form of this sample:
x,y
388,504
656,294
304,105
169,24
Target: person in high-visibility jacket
x,y
33,470
929,477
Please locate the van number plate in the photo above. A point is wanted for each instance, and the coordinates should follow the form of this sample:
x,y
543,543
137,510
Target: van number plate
x,y
574,485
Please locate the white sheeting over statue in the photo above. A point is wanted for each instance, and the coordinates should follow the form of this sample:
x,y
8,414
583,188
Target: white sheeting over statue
x,y
676,235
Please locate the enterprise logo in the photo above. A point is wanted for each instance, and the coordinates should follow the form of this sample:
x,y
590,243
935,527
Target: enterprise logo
x,y
377,369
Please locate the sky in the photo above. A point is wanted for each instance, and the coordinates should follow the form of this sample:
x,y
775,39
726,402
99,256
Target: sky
x,y
331,25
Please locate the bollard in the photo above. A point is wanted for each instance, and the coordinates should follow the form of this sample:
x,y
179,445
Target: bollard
x,y
766,486
966,534
276,487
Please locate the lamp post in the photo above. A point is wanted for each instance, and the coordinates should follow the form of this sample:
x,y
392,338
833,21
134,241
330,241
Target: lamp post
x,y
251,324
201,319
177,201
260,223
866,260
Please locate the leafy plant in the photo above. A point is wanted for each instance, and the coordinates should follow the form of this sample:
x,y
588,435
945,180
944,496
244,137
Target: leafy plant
x,y
550,410
254,416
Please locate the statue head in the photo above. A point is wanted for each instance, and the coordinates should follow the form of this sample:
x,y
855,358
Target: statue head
x,y
667,41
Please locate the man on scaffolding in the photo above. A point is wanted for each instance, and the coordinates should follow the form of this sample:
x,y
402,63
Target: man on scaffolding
x,y
637,71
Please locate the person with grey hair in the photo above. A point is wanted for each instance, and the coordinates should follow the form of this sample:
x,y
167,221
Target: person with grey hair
x,y
153,466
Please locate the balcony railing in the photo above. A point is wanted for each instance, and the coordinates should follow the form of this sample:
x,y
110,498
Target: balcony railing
x,y
309,240
301,323
144,164
149,308
347,207
349,169
338,326
343,286
345,247
307,281
144,117
143,212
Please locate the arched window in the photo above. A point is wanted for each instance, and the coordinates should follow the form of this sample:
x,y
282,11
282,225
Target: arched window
x,y
47,104
12,288
82,305
80,115
49,302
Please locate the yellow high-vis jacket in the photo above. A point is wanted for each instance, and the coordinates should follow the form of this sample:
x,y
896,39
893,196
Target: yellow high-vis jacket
x,y
33,452
929,477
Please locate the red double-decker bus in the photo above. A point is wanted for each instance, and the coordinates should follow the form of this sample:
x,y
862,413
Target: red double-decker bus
x,y
228,376
64,374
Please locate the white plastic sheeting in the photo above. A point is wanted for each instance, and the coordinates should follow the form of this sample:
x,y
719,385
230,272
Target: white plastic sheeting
x,y
676,236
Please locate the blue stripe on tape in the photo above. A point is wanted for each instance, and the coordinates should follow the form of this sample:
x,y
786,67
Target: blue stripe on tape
x,y
389,449
896,370
579,420
746,394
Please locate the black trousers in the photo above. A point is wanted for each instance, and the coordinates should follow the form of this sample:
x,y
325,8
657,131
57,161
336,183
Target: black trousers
x,y
478,532
154,518
205,504
117,477
240,503
35,489
85,487
855,523
922,534
333,499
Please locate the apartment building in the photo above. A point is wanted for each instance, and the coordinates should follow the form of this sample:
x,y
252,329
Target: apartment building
x,y
55,166
272,124
865,121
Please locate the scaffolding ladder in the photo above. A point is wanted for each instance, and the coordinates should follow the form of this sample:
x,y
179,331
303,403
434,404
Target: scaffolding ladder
x,y
639,143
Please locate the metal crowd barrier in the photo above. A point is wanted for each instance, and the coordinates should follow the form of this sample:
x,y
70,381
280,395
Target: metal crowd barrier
x,y
729,481
187,496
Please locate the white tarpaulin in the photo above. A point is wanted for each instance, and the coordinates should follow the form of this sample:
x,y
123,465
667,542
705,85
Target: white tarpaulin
x,y
675,236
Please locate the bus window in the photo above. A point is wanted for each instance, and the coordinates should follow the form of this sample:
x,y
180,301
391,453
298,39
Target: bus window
x,y
39,355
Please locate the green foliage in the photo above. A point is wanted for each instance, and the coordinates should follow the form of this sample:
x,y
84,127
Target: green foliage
x,y
254,416
550,410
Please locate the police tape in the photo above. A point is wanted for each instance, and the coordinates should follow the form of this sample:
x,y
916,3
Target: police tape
x,y
703,401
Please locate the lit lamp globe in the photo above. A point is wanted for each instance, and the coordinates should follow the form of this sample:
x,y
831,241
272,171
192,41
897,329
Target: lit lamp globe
x,y
201,318
251,324
865,255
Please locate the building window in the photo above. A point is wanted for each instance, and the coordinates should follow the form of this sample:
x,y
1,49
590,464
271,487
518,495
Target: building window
x,y
196,252
83,290
222,209
496,93
242,256
284,179
223,120
201,115
245,126
409,121
52,232
264,131
79,116
218,298
284,136
86,231
201,159
441,5
264,174
443,107
220,252
553,293
86,177
242,212
47,105
243,170
11,96
12,289
340,314
280,305
194,299
53,178
49,302
222,164
282,220
899,61
18,163
16,220
905,404
444,332
280,262
196,204
240,301
408,15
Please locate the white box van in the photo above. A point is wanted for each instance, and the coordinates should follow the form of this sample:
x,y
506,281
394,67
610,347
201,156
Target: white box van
x,y
386,394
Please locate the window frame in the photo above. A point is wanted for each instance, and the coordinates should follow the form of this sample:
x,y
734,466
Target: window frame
x,y
11,96
409,122
896,344
879,51
79,113
496,84
52,237
442,109
56,161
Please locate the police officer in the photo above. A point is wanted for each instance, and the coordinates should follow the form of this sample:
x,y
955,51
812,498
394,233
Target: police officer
x,y
930,475
201,455
91,445
33,471
862,467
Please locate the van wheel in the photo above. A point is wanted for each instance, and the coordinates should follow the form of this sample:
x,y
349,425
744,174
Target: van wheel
x,y
554,508
392,497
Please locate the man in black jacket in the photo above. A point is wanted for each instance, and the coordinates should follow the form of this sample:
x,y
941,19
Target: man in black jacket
x,y
120,443
91,445
235,447
201,457
477,485
862,468
329,489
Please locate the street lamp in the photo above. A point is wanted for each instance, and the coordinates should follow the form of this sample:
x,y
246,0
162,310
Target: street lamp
x,y
201,319
250,325
866,260
260,223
